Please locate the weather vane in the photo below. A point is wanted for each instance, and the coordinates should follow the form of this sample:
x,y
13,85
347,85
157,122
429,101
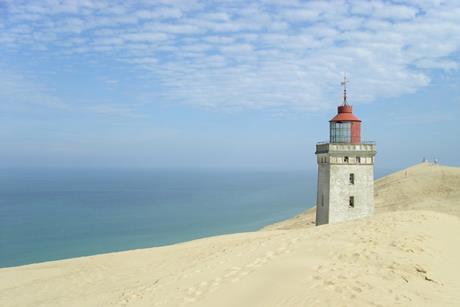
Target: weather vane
x,y
344,84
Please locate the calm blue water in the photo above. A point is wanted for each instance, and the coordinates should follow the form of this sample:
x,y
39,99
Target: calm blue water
x,y
49,215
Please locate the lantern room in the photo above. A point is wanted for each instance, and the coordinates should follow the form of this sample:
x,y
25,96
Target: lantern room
x,y
345,127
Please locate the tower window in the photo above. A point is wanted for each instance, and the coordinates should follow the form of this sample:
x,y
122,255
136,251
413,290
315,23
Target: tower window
x,y
352,178
358,159
345,159
351,202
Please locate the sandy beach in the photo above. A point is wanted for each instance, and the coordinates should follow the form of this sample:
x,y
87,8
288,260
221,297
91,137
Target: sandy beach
x,y
407,254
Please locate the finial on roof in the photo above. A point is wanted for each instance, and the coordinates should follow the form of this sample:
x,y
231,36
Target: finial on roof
x,y
344,84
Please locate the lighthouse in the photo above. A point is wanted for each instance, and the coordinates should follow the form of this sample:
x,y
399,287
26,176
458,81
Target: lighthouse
x,y
345,169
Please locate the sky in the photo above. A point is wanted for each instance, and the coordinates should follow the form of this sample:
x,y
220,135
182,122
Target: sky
x,y
224,84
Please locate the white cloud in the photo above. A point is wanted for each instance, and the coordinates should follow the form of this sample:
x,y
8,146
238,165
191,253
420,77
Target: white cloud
x,y
219,39
381,9
263,54
302,15
145,37
439,64
113,110
143,61
17,88
161,13
237,49
176,28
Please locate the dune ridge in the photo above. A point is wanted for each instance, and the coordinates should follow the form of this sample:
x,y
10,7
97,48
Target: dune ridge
x,y
423,186
407,254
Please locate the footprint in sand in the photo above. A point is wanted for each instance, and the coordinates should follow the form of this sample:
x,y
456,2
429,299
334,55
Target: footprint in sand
x,y
357,289
328,283
229,274
250,265
192,295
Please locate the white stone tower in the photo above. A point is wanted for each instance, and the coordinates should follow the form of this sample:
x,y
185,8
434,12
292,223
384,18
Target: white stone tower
x,y
345,170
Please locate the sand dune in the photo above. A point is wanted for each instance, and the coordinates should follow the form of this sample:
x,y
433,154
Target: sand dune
x,y
423,186
397,257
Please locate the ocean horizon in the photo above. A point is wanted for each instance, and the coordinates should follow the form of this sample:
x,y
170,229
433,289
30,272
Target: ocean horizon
x,y
57,214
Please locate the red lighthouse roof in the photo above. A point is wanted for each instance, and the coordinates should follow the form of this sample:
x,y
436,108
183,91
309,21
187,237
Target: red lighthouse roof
x,y
345,114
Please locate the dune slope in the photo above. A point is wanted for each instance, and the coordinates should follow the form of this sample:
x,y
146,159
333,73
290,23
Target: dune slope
x,y
423,186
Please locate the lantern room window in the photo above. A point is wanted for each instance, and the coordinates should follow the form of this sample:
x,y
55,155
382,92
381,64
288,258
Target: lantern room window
x,y
340,132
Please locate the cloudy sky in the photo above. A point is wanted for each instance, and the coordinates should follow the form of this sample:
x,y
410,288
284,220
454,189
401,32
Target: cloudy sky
x,y
171,83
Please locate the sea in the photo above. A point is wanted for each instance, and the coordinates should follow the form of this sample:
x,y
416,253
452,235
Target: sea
x,y
57,214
